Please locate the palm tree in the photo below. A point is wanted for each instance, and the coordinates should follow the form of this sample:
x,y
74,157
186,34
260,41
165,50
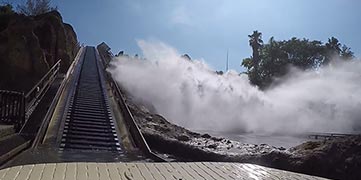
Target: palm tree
x,y
256,43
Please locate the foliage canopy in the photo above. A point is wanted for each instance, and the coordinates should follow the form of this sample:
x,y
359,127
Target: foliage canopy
x,y
273,59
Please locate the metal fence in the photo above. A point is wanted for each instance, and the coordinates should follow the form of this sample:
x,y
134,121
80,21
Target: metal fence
x,y
12,108
16,107
40,88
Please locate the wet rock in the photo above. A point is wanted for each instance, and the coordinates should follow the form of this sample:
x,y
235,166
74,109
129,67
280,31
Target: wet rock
x,y
162,129
206,136
183,138
212,146
216,139
194,134
29,46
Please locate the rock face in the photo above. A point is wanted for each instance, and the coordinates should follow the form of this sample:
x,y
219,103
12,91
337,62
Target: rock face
x,y
337,158
30,45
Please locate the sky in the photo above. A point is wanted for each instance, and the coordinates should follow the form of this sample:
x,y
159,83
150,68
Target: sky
x,y
206,29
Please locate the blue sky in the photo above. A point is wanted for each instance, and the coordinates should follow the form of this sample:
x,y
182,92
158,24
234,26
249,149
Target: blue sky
x,y
207,28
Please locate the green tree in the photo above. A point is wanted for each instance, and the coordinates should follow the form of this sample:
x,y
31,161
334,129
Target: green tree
x,y
255,41
333,45
334,49
346,53
276,57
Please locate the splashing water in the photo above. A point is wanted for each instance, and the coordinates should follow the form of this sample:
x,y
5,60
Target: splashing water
x,y
190,94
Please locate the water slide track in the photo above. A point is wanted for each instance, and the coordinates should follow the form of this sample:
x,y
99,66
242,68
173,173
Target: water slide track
x,y
89,123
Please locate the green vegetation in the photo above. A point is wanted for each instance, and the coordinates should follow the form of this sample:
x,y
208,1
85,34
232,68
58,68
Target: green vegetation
x,y
273,59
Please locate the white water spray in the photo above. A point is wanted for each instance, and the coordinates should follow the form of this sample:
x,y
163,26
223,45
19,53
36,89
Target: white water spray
x,y
190,94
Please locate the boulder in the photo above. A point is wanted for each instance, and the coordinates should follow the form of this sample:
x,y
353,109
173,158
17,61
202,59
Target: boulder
x,y
31,45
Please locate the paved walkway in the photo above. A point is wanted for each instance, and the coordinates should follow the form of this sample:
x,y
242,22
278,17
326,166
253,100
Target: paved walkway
x,y
142,171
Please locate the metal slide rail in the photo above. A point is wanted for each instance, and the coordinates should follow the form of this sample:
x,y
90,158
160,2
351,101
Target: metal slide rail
x,y
89,122
16,107
132,126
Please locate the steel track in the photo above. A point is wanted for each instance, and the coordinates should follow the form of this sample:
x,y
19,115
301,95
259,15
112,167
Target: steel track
x,y
89,122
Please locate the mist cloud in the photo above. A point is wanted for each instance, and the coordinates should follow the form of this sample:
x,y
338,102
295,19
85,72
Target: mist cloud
x,y
190,94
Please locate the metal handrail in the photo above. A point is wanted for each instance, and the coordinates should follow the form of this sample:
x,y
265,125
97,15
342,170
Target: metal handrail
x,y
38,88
18,107
44,125
330,135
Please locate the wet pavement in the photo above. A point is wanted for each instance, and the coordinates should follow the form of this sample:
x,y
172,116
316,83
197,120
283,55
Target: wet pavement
x,y
144,171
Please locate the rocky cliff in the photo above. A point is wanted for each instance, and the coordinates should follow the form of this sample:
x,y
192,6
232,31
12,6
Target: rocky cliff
x,y
30,45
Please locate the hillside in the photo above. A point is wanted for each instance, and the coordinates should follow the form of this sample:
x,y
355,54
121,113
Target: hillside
x,y
30,45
